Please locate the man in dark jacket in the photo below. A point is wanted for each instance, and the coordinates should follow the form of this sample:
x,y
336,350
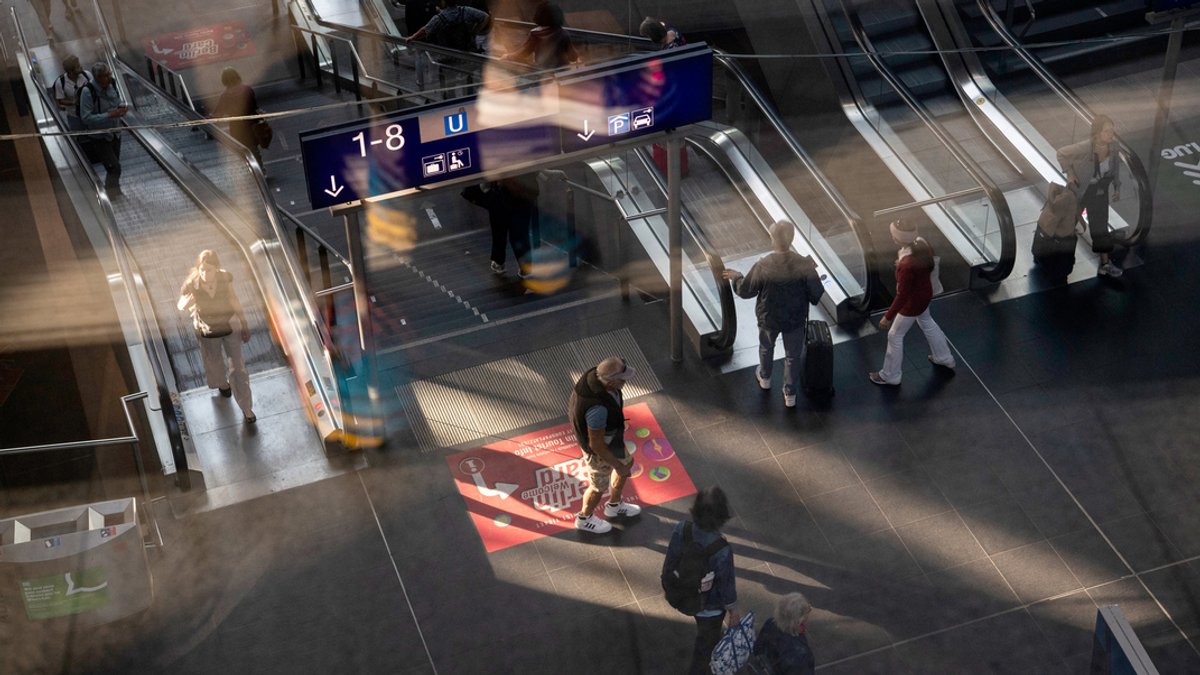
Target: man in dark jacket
x,y
785,283
597,413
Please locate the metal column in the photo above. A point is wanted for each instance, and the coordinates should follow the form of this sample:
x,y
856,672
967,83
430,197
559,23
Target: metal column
x,y
370,432
1164,98
675,241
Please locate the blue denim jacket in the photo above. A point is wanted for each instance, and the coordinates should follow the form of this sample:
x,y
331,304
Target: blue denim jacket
x,y
724,591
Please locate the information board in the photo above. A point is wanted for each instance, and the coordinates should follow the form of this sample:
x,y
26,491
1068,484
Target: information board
x,y
602,105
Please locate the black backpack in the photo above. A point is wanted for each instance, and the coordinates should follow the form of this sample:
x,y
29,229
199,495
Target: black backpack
x,y
458,34
90,86
681,583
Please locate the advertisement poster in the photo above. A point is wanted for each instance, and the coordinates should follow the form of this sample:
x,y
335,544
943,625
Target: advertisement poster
x,y
531,486
197,46
65,594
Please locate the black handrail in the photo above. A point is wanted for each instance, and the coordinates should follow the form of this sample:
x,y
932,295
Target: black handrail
x,y
1136,169
1008,237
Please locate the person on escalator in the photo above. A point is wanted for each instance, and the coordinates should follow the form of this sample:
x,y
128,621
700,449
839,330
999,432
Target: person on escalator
x,y
914,291
548,45
238,100
785,284
456,26
208,295
101,108
509,217
661,34
1091,165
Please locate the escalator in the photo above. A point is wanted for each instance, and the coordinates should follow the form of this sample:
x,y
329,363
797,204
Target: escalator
x,y
171,209
1019,91
896,93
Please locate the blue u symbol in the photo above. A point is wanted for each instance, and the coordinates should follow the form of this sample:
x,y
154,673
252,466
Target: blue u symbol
x,y
456,123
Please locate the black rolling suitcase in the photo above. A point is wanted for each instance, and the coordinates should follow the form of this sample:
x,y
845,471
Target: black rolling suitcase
x,y
818,360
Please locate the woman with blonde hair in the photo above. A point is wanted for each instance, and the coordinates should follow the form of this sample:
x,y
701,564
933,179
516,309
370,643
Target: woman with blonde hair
x,y
782,645
208,295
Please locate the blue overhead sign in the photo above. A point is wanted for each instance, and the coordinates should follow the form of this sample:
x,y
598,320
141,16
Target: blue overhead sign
x,y
593,107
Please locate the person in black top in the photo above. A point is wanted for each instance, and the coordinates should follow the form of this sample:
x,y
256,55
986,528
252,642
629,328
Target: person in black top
x,y
238,100
785,283
782,645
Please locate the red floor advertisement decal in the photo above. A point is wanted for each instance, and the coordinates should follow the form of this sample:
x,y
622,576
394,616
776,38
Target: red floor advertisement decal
x,y
196,46
529,487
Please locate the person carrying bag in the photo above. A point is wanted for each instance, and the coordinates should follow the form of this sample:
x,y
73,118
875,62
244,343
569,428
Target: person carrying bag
x,y
1054,238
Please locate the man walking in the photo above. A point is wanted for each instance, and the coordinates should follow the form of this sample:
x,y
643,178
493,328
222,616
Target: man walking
x,y
785,284
101,107
596,411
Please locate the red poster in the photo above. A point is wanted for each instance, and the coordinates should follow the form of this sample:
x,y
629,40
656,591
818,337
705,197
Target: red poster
x,y
528,487
196,46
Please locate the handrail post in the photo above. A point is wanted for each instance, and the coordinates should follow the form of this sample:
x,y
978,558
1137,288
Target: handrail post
x,y
297,40
572,247
316,61
337,73
302,252
675,241
354,72
327,281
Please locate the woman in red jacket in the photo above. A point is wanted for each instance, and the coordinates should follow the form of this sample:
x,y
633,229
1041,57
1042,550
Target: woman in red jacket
x,y
914,290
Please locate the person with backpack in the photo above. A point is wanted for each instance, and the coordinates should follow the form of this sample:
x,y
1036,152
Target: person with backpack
x,y
914,291
661,34
100,107
785,283
781,647
67,85
238,100
697,574
456,26
596,410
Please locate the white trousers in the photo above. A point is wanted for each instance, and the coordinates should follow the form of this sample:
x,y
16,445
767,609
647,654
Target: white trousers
x,y
225,367
893,361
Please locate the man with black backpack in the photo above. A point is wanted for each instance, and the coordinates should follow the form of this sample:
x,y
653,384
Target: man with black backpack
x,y
697,574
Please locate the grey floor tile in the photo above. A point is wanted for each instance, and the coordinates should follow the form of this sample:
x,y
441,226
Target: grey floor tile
x,y
1179,525
907,496
1178,589
1000,525
817,469
966,479
1136,604
1000,644
782,533
1051,509
756,486
1067,624
875,450
881,555
597,582
846,513
733,441
940,542
1089,557
1035,572
1140,542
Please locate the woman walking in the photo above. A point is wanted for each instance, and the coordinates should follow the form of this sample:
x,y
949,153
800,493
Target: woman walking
x,y
1091,166
208,295
914,290
238,100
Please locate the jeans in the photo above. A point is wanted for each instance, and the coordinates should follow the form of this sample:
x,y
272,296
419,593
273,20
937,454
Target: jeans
x,y
708,634
894,359
108,153
793,350
227,369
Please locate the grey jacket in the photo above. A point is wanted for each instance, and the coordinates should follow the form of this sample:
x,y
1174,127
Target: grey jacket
x,y
785,284
94,113
1079,163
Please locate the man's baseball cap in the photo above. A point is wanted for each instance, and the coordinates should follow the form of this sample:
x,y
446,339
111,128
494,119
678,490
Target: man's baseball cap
x,y
614,368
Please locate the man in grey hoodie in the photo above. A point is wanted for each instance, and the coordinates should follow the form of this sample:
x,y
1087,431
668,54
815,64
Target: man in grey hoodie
x,y
785,283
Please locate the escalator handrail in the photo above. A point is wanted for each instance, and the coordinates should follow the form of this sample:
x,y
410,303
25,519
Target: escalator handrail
x,y
852,218
1136,168
725,338
150,334
316,323
1008,239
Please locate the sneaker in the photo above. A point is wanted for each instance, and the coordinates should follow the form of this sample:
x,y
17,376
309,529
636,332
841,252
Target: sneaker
x,y
592,524
789,400
878,379
763,382
524,271
622,510
226,392
497,268
251,418
1109,270
940,365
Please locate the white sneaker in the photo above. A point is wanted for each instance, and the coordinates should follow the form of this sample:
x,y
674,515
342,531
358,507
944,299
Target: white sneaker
x,y
763,382
622,510
592,524
789,400
1110,270
497,268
